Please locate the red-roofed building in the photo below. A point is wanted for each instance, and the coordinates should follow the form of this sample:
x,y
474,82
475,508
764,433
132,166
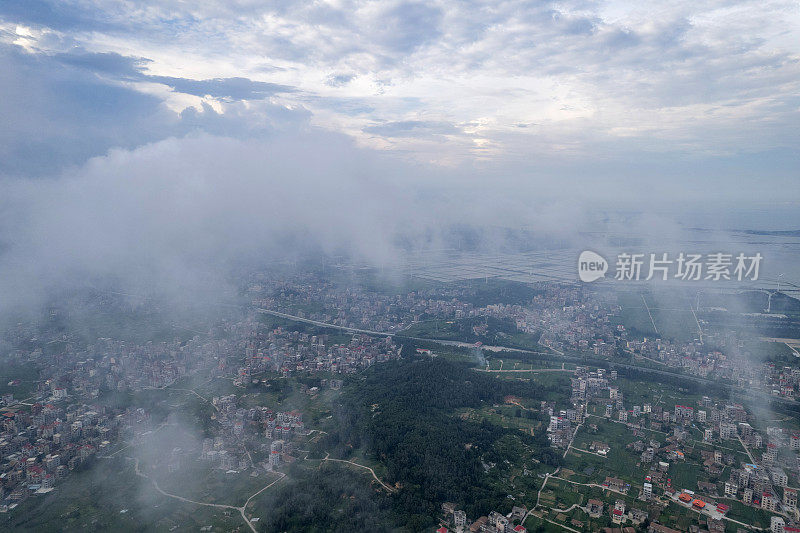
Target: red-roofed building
x,y
769,502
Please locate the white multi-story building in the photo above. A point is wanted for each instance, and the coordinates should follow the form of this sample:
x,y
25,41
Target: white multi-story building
x,y
459,519
647,491
770,454
769,502
790,498
727,431
778,476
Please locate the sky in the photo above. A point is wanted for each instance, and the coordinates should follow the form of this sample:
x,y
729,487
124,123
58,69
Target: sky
x,y
668,90
174,133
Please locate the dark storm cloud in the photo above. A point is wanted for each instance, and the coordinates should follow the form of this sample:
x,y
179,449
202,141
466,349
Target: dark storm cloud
x,y
231,88
57,115
110,63
130,69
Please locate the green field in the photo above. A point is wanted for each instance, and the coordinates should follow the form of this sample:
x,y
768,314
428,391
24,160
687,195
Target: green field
x,y
487,330
671,312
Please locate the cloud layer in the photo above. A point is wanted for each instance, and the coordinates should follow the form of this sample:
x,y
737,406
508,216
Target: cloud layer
x,y
445,82
160,141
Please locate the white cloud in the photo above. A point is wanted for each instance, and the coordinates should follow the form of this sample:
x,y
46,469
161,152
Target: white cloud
x,y
606,69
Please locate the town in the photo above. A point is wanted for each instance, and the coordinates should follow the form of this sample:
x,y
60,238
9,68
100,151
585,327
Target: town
x,y
664,434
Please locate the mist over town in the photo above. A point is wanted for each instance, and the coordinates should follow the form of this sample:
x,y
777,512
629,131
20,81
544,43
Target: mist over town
x,y
403,266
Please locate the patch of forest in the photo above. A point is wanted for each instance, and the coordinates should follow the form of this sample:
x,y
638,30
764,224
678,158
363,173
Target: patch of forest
x,y
402,414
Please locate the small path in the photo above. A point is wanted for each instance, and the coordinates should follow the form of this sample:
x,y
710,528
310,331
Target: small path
x,y
206,504
650,315
591,485
384,485
575,434
574,449
539,495
753,461
571,507
198,395
562,525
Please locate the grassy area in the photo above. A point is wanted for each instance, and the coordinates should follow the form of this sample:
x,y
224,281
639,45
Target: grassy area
x,y
685,475
555,385
504,363
774,352
197,481
672,317
561,494
749,515
678,517
27,375
620,462
640,392
488,330
510,416
451,353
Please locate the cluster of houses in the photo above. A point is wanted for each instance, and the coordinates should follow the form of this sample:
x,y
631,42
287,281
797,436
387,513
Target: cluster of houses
x,y
289,352
456,520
